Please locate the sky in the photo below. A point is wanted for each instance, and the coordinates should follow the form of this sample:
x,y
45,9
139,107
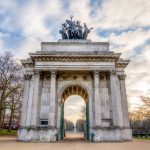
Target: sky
x,y
125,24
73,108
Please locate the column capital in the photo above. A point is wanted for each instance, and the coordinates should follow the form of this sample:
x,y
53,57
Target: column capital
x,y
37,72
122,76
27,76
113,72
53,72
96,72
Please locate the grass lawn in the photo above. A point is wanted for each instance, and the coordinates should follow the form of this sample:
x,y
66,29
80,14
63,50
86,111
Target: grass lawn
x,y
6,132
144,138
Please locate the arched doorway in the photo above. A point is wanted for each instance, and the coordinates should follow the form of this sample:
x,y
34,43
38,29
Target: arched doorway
x,y
75,117
74,90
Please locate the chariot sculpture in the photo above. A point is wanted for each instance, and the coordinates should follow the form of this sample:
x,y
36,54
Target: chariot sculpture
x,y
74,30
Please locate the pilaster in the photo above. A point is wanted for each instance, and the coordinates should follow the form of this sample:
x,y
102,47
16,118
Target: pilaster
x,y
116,100
27,78
124,101
35,98
30,101
52,109
97,102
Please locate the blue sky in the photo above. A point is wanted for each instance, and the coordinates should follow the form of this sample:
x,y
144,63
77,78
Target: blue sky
x,y
124,23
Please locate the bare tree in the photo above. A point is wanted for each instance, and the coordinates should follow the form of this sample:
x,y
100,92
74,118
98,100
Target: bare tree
x,y
10,77
140,120
14,103
146,101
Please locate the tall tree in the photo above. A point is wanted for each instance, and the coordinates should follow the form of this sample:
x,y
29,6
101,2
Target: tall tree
x,y
14,104
10,77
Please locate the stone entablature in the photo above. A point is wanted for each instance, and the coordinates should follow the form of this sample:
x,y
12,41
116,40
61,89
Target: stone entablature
x,y
97,76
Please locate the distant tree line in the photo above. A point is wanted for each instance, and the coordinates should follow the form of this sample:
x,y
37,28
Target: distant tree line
x,y
69,126
11,90
140,118
80,125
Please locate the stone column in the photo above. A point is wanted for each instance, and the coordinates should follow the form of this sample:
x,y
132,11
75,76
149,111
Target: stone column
x,y
97,101
52,112
124,101
27,78
35,98
30,100
116,100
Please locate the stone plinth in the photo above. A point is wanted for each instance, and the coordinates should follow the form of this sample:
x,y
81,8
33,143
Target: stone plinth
x,y
75,45
34,135
112,135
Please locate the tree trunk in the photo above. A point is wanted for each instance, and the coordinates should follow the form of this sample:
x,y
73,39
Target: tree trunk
x,y
3,118
10,120
1,109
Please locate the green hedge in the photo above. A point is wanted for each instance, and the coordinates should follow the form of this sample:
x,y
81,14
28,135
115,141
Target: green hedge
x,y
144,138
6,132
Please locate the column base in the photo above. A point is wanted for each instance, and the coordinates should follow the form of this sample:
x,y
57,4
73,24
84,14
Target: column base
x,y
37,135
112,135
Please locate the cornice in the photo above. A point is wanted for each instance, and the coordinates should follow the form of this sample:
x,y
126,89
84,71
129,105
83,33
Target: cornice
x,y
75,42
112,57
122,63
27,62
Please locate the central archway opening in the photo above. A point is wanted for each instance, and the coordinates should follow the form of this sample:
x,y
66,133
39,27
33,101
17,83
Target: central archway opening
x,y
75,117
74,113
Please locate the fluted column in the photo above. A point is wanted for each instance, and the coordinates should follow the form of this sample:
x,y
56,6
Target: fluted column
x,y
35,98
97,101
116,100
124,101
27,78
52,115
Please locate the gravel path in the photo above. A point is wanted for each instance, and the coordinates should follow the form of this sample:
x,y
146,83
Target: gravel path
x,y
10,143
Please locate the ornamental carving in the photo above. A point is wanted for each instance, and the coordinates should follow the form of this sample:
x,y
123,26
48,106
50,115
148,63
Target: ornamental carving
x,y
84,77
47,77
74,77
27,76
64,77
53,72
37,72
75,58
74,30
122,77
95,72
113,72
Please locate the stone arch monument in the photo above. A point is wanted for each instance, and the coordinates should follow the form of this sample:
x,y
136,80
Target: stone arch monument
x,y
74,66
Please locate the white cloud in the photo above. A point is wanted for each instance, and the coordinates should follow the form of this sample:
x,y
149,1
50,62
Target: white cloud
x,y
38,21
73,108
138,76
123,14
127,41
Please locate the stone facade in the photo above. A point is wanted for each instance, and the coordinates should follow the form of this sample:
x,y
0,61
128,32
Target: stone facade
x,y
69,67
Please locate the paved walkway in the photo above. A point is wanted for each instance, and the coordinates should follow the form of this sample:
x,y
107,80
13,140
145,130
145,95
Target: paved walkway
x,y
10,143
